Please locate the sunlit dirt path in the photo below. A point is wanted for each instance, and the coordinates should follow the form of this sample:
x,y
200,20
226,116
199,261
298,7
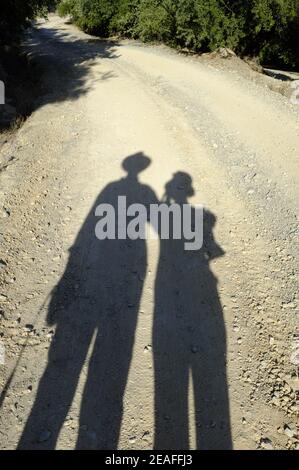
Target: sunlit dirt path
x,y
140,344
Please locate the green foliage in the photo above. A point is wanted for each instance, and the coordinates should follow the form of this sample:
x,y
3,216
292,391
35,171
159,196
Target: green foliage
x,y
15,15
263,28
67,7
124,21
93,16
153,21
207,25
272,36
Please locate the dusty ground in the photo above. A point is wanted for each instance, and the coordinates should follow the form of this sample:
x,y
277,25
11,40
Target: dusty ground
x,y
135,345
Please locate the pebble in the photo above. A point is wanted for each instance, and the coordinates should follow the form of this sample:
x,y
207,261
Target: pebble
x,y
5,212
266,443
146,435
294,358
28,327
2,264
290,430
44,436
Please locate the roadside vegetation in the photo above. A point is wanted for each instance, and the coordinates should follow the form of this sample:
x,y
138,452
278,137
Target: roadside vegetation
x,y
16,71
16,15
266,29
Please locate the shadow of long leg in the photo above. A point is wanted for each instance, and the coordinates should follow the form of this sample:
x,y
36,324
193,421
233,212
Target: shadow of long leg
x,y
56,388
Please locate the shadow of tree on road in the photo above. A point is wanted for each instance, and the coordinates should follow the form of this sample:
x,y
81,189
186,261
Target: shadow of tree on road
x,y
53,67
66,63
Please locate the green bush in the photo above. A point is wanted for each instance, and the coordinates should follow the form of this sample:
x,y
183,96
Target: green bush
x,y
269,30
124,20
206,25
93,16
154,23
68,7
16,15
262,28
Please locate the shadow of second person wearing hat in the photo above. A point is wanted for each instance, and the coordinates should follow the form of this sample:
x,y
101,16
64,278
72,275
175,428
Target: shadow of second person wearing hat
x,y
189,340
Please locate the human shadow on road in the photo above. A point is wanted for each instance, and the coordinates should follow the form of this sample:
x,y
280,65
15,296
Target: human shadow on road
x,y
95,308
96,301
189,341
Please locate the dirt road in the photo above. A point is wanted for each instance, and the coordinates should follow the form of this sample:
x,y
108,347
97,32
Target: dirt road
x,y
135,344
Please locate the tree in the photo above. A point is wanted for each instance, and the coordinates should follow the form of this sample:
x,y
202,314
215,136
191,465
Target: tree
x,y
263,28
16,15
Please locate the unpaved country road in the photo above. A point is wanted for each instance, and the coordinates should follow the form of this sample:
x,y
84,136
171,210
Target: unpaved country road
x,y
133,344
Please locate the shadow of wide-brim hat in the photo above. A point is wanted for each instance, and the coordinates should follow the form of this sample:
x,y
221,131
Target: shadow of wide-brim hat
x,y
182,179
136,163
180,182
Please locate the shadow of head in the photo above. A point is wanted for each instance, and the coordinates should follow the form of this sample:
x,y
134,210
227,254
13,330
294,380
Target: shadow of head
x,y
135,164
179,188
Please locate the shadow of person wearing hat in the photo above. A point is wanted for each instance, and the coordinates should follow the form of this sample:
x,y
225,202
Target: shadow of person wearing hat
x,y
95,305
189,339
